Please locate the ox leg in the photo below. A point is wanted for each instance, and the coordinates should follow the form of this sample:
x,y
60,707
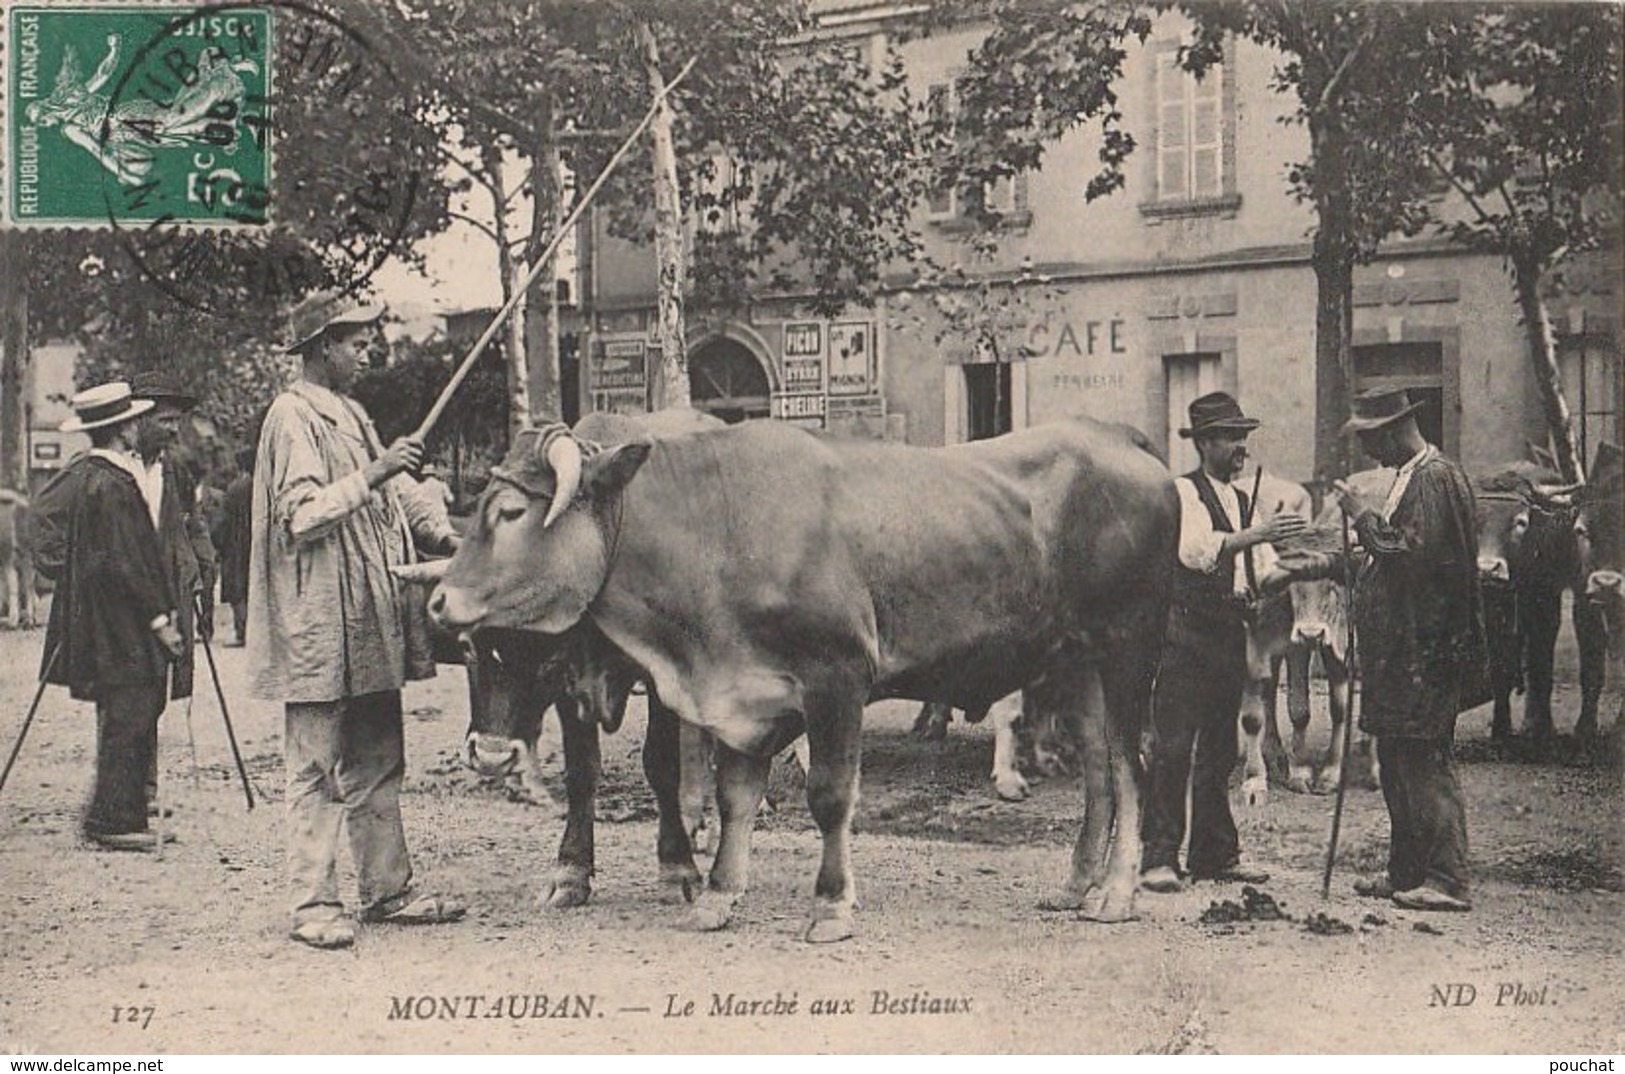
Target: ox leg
x,y
571,883
1274,749
1592,633
695,784
1545,615
1131,649
833,726
741,779
1257,705
932,722
662,764
1008,782
1081,686
1300,764
1338,692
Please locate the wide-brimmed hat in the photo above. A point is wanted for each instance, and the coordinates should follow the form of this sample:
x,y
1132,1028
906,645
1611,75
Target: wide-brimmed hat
x,y
160,387
323,311
1217,412
103,405
1379,407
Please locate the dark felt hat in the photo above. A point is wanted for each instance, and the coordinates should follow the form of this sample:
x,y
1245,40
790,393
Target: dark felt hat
x,y
1379,407
1217,412
160,387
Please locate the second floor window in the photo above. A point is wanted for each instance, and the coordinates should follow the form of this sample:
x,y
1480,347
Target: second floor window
x,y
1190,131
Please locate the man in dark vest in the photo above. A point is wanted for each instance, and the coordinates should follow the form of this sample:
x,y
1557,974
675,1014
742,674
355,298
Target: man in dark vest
x,y
1222,561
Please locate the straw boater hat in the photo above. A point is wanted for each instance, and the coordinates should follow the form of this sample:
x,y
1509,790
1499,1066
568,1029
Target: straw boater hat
x,y
161,388
1379,407
1217,412
322,311
105,404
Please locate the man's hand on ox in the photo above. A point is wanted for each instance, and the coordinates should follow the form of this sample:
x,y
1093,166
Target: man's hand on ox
x,y
405,454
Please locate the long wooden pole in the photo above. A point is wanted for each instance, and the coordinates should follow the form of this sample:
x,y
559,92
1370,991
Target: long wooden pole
x,y
518,295
1348,715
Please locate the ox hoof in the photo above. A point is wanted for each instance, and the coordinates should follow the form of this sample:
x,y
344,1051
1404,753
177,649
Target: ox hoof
x,y
1065,900
830,930
1011,787
1255,790
1107,909
684,879
1325,783
711,912
1298,782
566,893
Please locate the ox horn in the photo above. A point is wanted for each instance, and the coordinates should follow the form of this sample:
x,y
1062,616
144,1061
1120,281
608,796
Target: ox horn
x,y
564,456
1560,495
426,573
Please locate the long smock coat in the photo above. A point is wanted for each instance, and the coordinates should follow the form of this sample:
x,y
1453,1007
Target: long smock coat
x,y
115,573
326,619
1419,618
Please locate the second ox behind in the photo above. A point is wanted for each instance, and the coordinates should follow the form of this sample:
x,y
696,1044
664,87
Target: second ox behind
x,y
771,582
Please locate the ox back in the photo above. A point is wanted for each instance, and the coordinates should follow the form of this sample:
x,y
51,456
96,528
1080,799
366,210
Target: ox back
x,y
947,574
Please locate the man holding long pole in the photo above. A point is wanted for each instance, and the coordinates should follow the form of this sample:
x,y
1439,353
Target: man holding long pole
x,y
1419,620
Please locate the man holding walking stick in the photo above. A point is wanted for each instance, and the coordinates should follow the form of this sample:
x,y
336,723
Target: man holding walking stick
x,y
1420,624
120,617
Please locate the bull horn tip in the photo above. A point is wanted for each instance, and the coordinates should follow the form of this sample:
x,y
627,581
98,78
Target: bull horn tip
x,y
564,456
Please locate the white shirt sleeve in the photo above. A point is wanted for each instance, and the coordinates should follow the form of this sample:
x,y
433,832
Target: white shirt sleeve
x,y
1199,542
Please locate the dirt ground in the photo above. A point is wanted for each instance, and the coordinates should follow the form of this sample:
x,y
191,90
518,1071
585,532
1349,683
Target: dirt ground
x,y
107,952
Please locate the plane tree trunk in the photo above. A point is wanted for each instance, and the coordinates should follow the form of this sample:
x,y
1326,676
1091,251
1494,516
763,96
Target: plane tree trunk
x,y
673,378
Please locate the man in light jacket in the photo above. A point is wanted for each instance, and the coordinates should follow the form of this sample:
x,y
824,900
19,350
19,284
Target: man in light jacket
x,y
332,633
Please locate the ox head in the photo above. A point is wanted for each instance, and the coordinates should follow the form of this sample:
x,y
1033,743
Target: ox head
x,y
537,550
1526,525
514,676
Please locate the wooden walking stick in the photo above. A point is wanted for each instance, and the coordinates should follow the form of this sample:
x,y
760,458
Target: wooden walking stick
x,y
1348,720
508,307
231,736
33,707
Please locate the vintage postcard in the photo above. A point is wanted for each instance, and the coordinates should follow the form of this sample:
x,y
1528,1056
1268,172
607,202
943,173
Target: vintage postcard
x,y
1096,761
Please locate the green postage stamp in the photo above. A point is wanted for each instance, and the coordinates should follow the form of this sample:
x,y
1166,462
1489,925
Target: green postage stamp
x,y
137,115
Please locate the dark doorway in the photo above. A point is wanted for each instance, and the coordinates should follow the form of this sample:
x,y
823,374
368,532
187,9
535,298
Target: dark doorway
x,y
987,397
726,380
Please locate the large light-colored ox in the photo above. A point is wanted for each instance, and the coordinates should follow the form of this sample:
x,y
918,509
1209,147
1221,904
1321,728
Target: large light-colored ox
x,y
772,582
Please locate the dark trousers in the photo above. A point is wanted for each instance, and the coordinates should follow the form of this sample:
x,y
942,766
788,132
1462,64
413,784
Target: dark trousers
x,y
126,740
1428,822
1193,717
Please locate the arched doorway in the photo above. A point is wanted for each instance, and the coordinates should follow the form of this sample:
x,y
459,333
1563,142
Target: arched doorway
x,y
726,380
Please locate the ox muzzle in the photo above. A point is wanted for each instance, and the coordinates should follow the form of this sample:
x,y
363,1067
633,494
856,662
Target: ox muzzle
x,y
1494,569
492,756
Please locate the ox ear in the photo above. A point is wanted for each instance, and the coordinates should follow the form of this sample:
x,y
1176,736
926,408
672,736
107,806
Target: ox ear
x,y
609,471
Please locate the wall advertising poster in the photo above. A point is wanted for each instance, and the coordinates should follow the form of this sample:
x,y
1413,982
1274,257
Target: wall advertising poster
x,y
852,363
620,364
805,410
